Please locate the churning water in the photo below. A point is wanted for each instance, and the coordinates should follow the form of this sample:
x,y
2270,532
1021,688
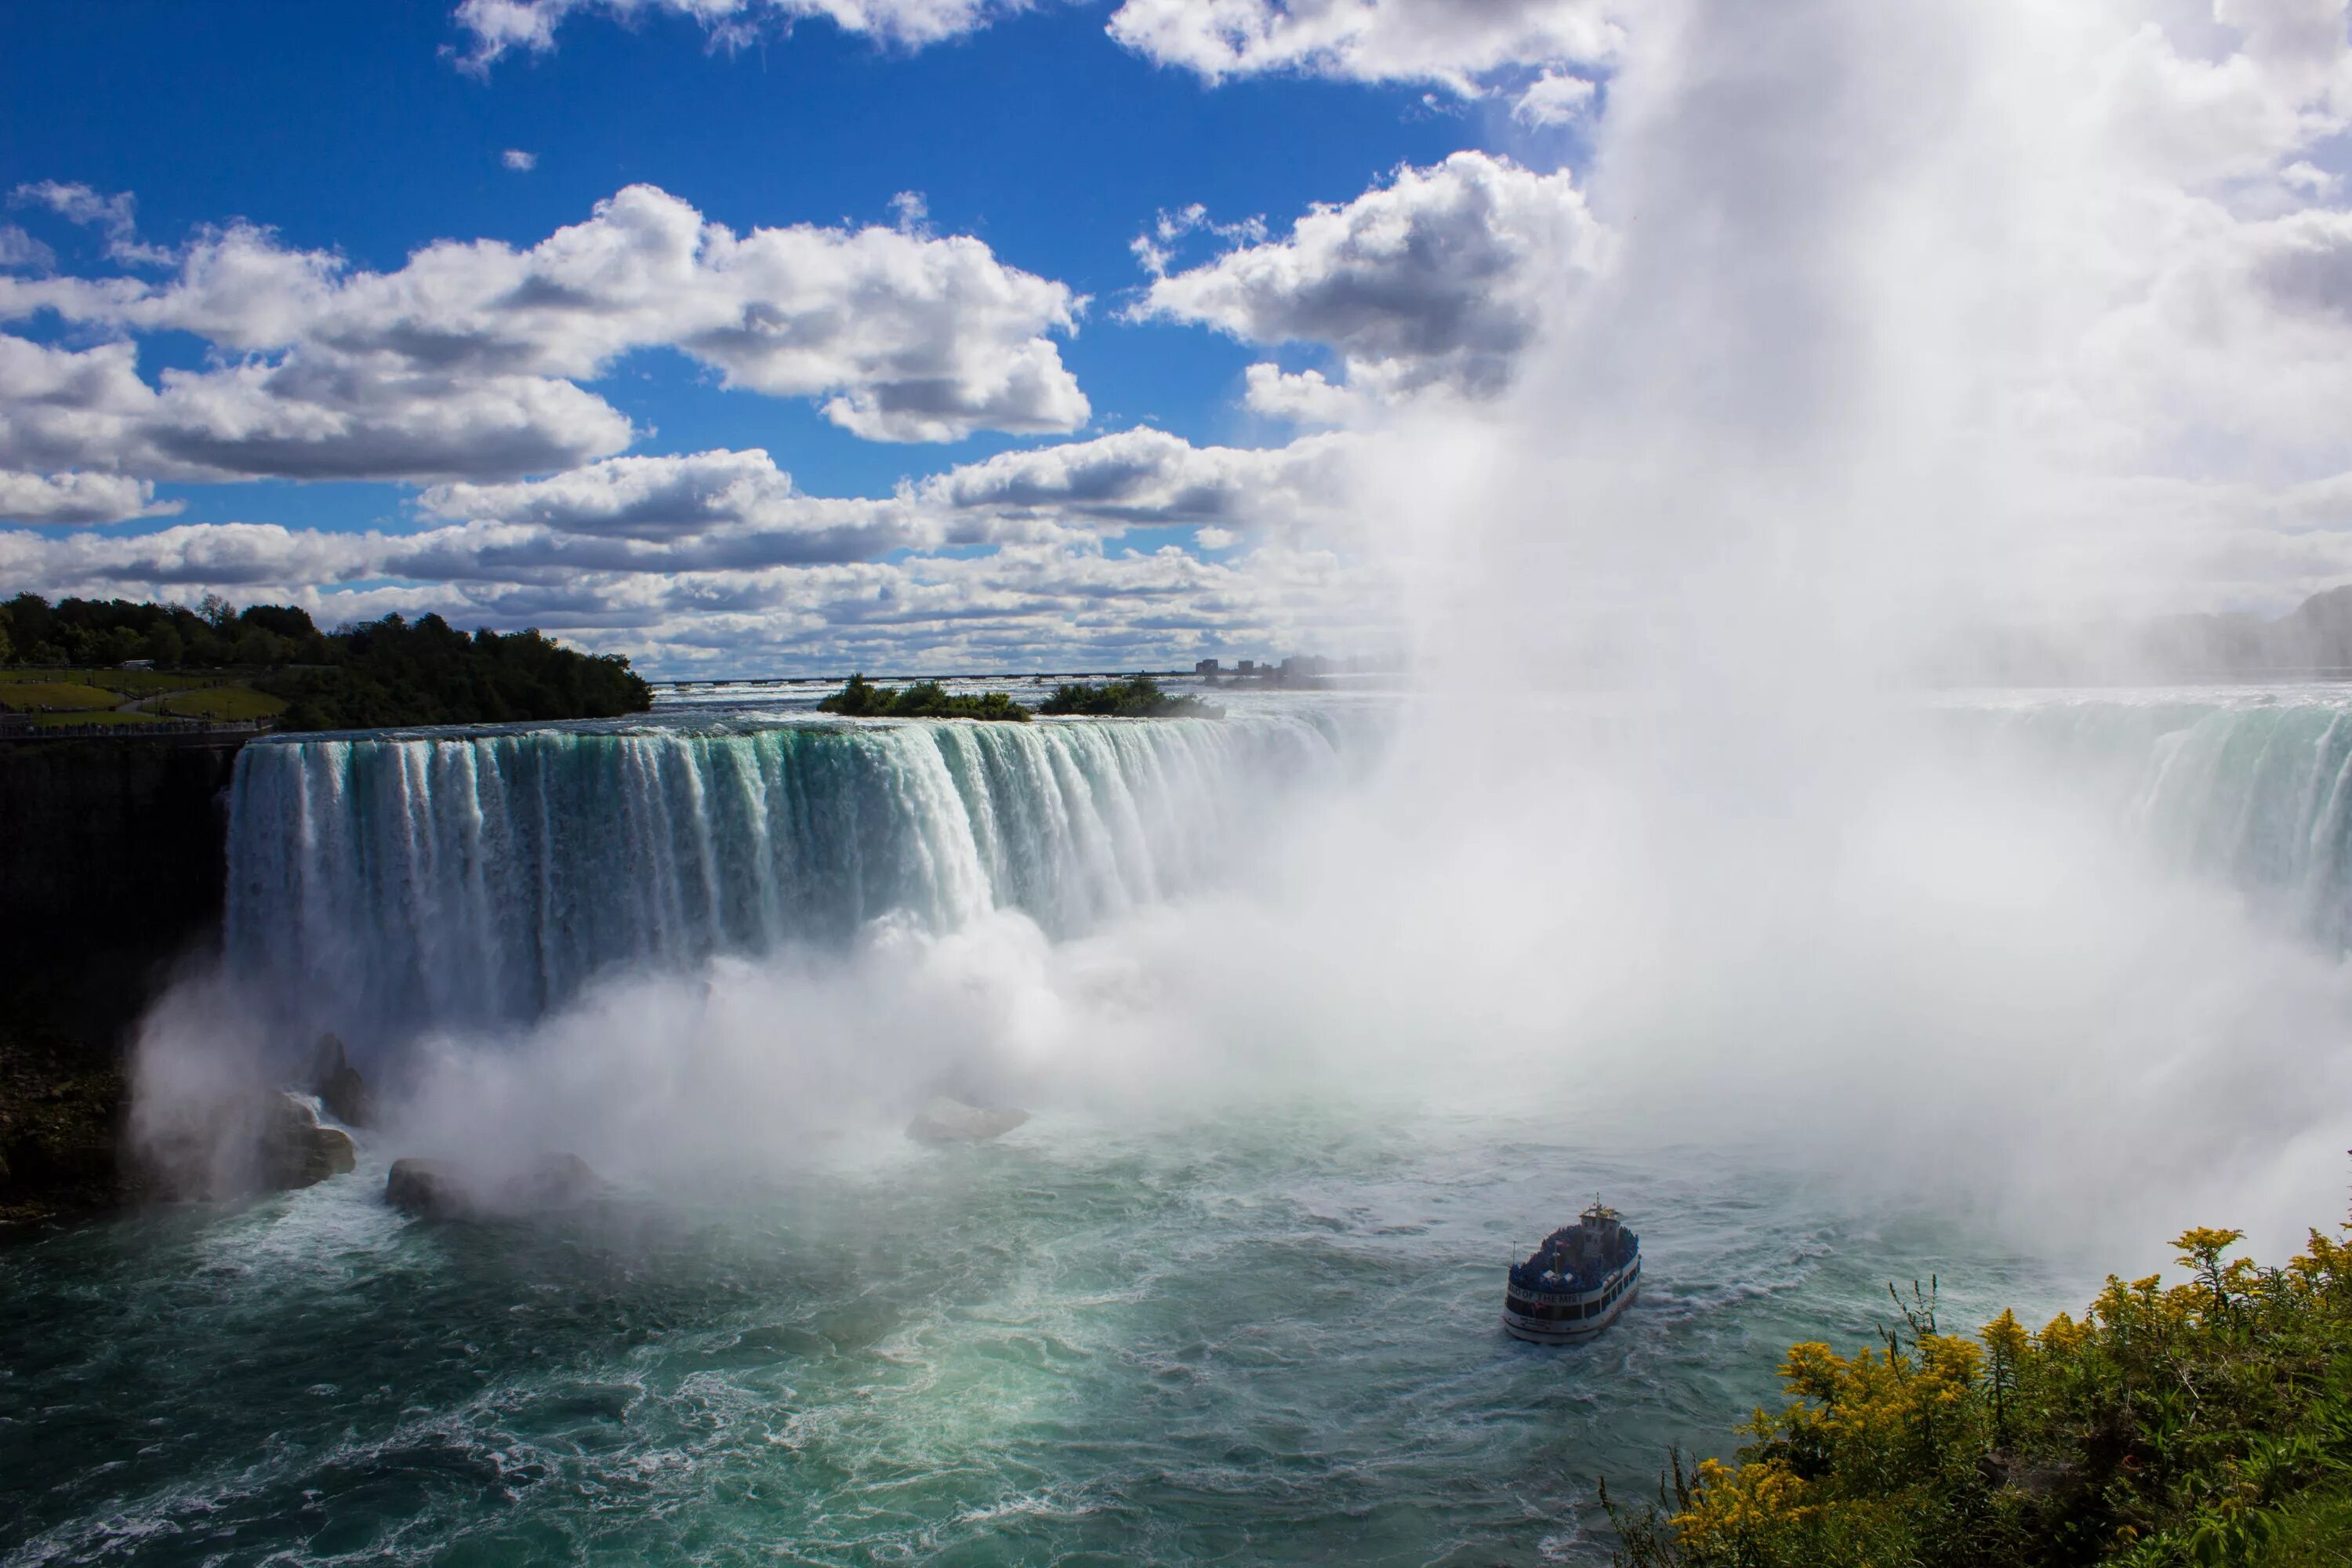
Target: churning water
x,y
1263,1333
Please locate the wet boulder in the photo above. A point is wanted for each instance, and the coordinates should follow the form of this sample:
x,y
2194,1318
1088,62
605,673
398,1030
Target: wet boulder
x,y
338,1086
945,1120
295,1148
435,1189
424,1188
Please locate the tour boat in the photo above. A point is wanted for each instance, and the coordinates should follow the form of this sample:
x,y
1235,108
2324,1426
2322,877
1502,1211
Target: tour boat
x,y
1579,1281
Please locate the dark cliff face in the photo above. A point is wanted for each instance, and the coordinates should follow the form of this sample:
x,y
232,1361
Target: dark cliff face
x,y
113,857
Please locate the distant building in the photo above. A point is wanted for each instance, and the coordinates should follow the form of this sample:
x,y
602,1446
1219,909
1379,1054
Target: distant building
x,y
1248,668
1206,669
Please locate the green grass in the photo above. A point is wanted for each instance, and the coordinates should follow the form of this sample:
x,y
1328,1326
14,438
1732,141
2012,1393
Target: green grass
x,y
26,696
223,702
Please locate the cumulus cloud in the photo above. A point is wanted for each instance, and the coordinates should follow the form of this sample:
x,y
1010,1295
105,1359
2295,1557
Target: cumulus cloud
x,y
78,498
633,551
1149,478
1555,97
1442,277
301,415
740,506
114,217
463,362
521,161
499,26
18,249
1033,605
1469,46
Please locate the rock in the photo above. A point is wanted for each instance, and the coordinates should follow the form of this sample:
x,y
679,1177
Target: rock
x,y
422,1187
338,1086
945,1120
433,1189
294,1149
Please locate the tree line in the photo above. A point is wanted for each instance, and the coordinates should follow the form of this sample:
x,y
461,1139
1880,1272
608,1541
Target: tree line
x,y
368,674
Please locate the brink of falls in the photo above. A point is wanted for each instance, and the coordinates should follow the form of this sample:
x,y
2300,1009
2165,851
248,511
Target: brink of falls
x,y
468,880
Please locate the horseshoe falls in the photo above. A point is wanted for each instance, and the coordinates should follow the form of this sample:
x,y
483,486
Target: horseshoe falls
x,y
470,880
484,879
1252,1319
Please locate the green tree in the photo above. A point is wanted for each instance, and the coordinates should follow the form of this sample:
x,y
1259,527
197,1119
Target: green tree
x,y
164,646
255,646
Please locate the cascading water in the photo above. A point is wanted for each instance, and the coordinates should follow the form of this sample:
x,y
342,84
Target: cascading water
x,y
478,878
2250,787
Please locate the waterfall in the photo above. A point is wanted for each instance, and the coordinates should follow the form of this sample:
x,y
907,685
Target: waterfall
x,y
390,884
2250,787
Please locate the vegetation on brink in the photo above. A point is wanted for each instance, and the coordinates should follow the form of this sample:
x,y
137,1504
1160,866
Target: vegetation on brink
x,y
270,661
1137,697
2203,1426
861,698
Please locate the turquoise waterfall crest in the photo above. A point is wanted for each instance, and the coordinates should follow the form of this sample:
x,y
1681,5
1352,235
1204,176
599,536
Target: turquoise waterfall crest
x,y
477,878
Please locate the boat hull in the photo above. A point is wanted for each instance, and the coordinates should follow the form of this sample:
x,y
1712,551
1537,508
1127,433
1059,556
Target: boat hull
x,y
1548,1323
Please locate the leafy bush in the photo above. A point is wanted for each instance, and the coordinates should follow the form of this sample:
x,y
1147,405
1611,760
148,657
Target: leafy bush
x,y
2205,1425
1137,697
861,698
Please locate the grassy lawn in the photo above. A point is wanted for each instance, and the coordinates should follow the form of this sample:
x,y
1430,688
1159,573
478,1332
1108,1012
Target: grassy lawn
x,y
223,702
24,696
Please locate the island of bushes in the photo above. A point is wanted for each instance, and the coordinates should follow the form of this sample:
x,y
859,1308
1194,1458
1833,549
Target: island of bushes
x,y
270,661
2209,1424
1138,697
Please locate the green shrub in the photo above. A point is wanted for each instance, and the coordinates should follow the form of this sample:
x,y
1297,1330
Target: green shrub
x,y
861,698
2206,1424
1137,697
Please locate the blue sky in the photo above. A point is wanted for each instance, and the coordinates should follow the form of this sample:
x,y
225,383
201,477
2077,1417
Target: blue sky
x,y
749,336
367,131
347,127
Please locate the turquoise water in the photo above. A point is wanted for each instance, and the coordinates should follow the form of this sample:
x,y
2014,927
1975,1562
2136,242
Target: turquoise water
x,y
1266,1337
1271,1341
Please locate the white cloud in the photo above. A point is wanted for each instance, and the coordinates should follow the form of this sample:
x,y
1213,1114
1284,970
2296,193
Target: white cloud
x,y
717,553
1305,397
18,249
1033,605
1470,47
1149,478
499,26
115,216
1156,250
78,498
304,414
521,161
462,363
740,505
1555,97
1442,276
